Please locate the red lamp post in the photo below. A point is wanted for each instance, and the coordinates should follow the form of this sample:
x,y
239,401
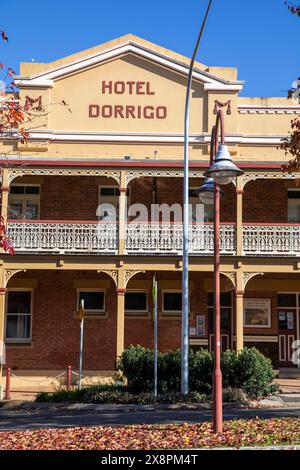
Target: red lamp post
x,y
222,171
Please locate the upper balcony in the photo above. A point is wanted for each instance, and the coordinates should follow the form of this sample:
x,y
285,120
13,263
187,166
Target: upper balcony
x,y
56,215
81,237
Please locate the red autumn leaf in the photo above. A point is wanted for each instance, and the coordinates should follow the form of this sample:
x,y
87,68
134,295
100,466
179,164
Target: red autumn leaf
x,y
4,37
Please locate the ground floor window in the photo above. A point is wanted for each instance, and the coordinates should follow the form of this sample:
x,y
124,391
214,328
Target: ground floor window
x,y
172,302
225,310
18,317
136,302
94,301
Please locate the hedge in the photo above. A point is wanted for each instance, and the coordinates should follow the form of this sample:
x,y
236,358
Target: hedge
x,y
249,371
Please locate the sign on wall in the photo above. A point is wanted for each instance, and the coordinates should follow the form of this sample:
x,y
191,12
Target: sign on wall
x,y
257,313
105,110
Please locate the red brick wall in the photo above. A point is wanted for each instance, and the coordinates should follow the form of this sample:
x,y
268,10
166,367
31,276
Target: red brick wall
x,y
69,198
55,335
265,201
76,198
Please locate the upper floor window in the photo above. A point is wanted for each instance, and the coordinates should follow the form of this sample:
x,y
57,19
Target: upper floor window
x,y
204,211
293,206
109,196
24,202
18,316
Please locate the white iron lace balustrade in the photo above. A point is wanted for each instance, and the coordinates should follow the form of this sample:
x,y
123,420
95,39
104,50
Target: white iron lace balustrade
x,y
281,239
167,238
63,237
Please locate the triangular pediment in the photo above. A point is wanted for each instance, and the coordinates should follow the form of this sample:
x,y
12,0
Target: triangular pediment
x,y
128,45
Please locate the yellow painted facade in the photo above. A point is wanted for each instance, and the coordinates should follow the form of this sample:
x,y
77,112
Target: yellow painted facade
x,y
124,121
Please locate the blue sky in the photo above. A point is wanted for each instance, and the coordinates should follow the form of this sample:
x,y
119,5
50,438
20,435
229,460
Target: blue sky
x,y
260,37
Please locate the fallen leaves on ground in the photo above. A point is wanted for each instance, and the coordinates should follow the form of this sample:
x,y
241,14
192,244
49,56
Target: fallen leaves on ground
x,y
237,433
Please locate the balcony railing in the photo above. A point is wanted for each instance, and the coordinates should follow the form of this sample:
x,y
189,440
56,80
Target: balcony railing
x,y
167,238
63,237
143,238
277,239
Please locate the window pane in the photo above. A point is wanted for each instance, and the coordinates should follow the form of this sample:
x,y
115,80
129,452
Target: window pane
x,y
32,190
18,327
18,302
294,211
17,190
225,318
172,301
15,210
136,301
92,300
294,195
208,213
286,300
283,320
32,211
109,191
225,299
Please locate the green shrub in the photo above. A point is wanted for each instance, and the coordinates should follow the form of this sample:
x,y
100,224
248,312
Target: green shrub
x,y
254,373
169,372
120,396
247,374
200,369
249,371
228,363
137,365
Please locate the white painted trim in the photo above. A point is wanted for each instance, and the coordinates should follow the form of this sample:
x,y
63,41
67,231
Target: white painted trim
x,y
272,109
45,79
291,339
198,342
260,339
282,354
51,135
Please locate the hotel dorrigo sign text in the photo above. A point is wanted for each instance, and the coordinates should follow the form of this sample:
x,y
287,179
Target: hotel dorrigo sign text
x,y
105,110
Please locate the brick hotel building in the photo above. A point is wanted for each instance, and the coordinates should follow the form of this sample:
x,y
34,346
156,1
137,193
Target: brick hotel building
x,y
122,143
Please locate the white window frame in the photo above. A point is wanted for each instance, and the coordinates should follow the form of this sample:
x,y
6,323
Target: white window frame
x,y
138,291
171,291
114,186
19,340
26,197
195,188
289,202
91,289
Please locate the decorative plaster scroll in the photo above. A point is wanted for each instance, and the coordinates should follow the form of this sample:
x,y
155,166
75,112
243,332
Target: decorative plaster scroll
x,y
248,276
8,273
129,274
231,276
246,177
26,171
113,273
133,174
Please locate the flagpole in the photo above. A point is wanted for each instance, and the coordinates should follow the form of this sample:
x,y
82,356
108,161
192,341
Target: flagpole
x,y
81,346
155,311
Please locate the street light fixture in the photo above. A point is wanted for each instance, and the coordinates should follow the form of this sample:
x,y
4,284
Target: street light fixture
x,y
207,192
222,171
